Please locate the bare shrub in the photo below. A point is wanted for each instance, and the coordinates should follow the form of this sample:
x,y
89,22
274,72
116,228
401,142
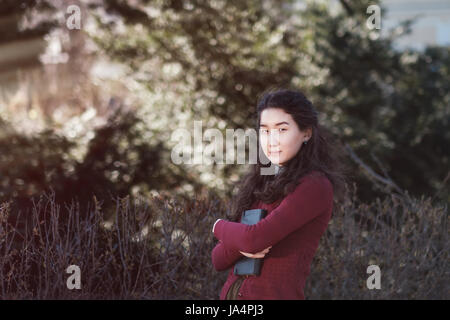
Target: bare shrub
x,y
159,247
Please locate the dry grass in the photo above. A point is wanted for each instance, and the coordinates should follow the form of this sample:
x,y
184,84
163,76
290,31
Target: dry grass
x,y
407,238
160,248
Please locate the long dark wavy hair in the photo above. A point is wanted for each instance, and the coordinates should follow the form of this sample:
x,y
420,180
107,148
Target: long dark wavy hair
x,y
320,153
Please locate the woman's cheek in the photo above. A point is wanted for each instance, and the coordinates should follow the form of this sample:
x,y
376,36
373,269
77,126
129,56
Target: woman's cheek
x,y
263,142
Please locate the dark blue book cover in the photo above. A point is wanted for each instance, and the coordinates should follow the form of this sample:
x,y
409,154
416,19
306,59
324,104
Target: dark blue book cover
x,y
250,266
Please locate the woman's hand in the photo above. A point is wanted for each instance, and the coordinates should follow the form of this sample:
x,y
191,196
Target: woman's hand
x,y
214,225
257,255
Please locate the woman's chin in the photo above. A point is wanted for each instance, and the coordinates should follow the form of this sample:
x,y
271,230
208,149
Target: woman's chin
x,y
276,161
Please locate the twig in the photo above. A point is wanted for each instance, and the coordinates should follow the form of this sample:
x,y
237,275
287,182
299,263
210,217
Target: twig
x,y
443,184
387,181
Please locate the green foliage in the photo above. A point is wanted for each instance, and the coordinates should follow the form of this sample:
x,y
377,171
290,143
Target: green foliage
x,y
15,10
386,104
117,159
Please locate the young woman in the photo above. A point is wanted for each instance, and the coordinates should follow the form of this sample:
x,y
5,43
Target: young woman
x,y
298,198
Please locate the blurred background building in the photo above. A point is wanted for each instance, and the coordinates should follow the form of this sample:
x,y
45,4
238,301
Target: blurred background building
x,y
432,21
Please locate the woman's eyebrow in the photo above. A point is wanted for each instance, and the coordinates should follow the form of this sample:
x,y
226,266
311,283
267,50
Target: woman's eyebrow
x,y
276,124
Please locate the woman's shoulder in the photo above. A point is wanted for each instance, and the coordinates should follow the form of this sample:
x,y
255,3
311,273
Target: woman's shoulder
x,y
313,175
316,177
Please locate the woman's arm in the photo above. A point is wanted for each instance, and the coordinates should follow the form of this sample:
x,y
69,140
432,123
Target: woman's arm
x,y
223,258
310,199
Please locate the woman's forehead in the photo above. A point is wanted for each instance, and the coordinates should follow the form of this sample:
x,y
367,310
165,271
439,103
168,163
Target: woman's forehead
x,y
274,117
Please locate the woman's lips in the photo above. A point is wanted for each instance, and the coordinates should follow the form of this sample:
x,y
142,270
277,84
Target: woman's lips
x,y
275,153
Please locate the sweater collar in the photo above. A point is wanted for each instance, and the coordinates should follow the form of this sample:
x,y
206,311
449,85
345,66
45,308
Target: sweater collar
x,y
279,169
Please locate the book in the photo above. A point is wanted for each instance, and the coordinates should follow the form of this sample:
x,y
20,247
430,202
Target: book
x,y
245,265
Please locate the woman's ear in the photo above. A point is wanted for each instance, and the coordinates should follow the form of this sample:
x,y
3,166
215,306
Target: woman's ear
x,y
307,134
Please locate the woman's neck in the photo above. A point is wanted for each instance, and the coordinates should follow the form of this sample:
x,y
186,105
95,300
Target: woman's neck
x,y
278,169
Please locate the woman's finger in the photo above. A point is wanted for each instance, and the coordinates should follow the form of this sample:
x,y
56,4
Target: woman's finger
x,y
254,256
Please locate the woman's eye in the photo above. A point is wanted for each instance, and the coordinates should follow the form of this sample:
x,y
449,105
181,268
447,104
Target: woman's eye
x,y
267,131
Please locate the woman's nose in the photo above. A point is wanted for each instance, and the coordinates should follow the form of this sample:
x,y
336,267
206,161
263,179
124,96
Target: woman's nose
x,y
274,138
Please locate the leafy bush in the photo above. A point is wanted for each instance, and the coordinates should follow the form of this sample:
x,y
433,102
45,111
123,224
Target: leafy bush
x,y
117,159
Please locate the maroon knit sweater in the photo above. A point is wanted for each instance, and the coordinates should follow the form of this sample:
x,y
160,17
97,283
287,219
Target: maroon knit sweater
x,y
293,227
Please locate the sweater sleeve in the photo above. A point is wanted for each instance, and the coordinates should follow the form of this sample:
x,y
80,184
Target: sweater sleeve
x,y
311,198
223,258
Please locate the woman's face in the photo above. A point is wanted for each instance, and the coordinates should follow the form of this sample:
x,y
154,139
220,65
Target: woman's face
x,y
280,137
